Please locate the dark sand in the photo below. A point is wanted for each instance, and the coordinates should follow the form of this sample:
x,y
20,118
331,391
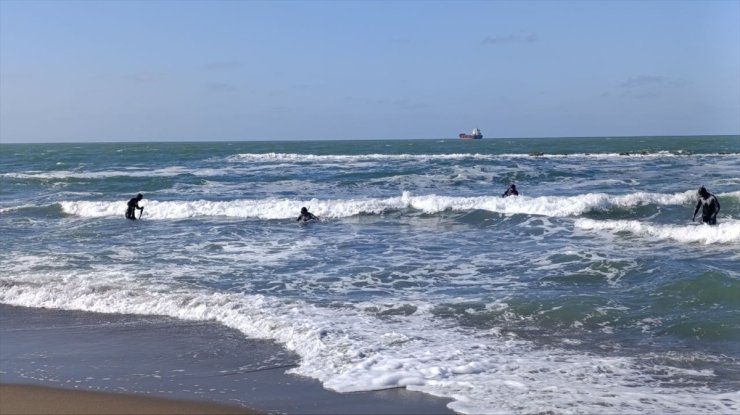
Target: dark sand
x,y
31,400
169,358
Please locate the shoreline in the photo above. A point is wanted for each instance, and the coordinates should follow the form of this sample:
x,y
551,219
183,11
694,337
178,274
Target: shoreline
x,y
187,363
34,399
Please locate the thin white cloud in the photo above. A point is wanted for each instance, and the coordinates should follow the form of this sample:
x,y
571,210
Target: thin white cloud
x,y
643,80
220,87
653,80
145,77
222,65
512,38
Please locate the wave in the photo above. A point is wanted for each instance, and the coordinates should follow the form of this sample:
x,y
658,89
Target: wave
x,y
172,171
19,208
307,158
725,232
249,162
71,174
348,351
273,208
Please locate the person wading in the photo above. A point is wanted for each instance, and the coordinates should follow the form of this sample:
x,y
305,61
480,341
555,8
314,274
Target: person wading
x,y
133,204
709,205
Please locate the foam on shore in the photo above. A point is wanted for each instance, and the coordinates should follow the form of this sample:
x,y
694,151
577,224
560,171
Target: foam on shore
x,y
348,352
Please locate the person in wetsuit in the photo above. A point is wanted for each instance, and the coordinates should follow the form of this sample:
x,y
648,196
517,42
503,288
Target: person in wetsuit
x,y
511,191
133,204
306,215
709,207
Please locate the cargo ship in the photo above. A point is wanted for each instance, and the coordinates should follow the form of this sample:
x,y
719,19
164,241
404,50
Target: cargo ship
x,y
475,135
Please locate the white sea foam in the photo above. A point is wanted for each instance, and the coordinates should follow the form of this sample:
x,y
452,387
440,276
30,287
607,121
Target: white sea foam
x,y
727,231
334,158
312,158
349,350
71,174
14,208
273,208
171,171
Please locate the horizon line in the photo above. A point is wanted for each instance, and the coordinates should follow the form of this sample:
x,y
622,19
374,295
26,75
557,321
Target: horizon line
x,y
2,142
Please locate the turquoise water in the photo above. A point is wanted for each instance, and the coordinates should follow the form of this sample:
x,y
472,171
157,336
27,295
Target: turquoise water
x,y
592,291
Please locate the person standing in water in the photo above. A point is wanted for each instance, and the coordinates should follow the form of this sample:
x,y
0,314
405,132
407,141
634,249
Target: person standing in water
x,y
133,204
511,191
709,205
306,215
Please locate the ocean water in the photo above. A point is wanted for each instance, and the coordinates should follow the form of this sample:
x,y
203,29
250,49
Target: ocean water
x,y
591,292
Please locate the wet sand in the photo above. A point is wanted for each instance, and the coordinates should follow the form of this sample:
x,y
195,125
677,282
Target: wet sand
x,y
27,399
154,356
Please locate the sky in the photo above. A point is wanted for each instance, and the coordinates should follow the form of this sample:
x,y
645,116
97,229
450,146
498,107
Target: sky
x,y
95,71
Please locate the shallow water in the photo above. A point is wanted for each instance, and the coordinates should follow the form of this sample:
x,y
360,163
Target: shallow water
x,y
592,291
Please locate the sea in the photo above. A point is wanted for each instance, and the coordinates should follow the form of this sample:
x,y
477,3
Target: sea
x,y
593,291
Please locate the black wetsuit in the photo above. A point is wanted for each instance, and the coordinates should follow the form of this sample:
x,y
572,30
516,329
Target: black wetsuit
x,y
510,192
133,204
307,216
709,209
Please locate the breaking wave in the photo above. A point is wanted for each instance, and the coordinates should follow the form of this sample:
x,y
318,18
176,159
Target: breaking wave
x,y
307,158
273,208
172,171
725,232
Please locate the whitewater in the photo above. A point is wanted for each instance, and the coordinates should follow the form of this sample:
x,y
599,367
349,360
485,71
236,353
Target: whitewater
x,y
554,206
591,292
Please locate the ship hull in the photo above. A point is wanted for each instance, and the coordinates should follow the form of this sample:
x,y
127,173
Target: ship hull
x,y
470,136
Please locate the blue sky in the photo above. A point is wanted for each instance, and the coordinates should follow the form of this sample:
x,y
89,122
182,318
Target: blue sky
x,y
251,70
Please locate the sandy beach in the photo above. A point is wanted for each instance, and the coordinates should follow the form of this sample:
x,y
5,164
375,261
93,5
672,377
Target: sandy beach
x,y
58,362
29,399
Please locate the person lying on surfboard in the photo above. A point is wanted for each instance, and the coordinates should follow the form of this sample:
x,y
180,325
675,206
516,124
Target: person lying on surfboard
x,y
306,215
133,204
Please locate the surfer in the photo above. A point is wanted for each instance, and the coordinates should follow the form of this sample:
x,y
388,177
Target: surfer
x,y
133,204
306,215
511,191
709,207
